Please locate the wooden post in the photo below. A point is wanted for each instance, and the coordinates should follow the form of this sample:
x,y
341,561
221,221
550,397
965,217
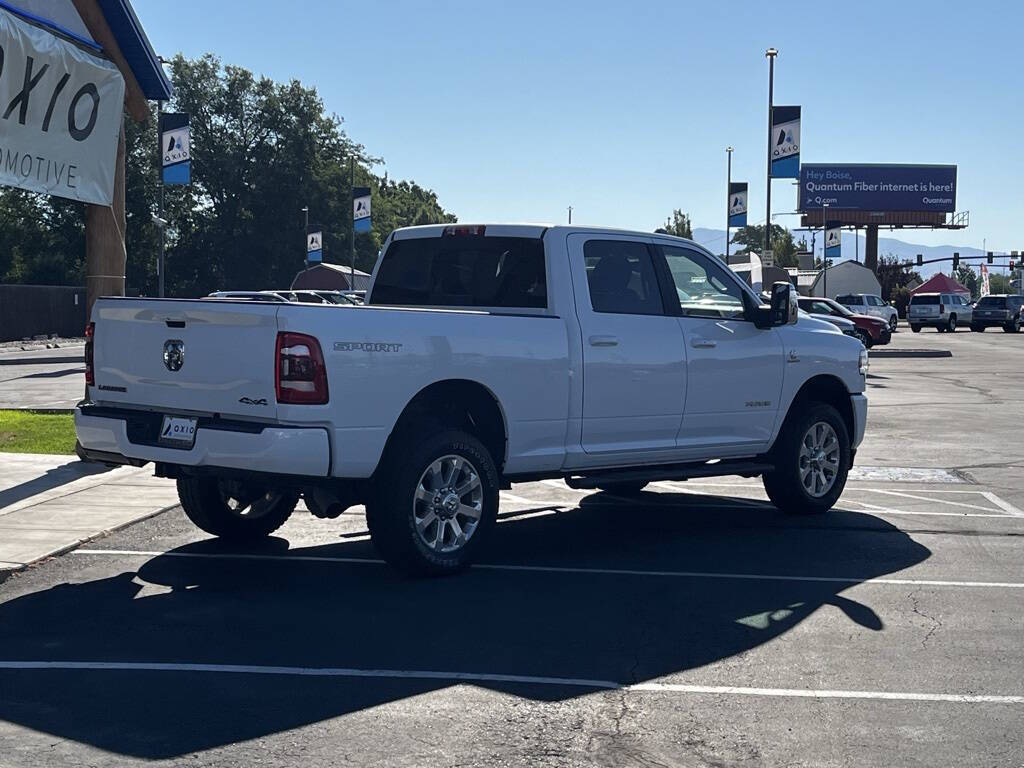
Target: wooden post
x,y
104,239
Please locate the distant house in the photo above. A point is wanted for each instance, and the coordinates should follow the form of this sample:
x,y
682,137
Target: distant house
x,y
940,283
330,277
845,277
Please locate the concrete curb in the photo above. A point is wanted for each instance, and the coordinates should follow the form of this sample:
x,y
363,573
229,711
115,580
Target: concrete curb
x,y
909,353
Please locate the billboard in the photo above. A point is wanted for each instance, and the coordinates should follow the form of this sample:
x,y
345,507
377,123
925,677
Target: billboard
x,y
930,188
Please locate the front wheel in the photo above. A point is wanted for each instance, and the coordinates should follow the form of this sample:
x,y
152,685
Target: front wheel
x,y
951,326
434,504
893,322
864,337
1013,327
233,509
812,459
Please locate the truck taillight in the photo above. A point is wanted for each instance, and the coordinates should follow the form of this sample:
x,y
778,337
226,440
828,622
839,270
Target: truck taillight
x,y
300,376
90,337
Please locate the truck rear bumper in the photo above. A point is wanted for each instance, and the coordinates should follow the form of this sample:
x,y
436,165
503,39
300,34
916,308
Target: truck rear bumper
x,y
107,433
860,418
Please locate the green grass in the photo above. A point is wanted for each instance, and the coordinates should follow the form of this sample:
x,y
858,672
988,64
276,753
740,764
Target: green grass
x,y
37,432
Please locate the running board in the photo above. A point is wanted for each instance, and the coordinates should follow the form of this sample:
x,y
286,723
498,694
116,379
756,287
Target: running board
x,y
674,472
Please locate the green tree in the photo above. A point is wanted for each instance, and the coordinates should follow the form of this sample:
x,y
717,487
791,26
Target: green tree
x,y
999,283
261,151
783,247
968,278
678,224
894,275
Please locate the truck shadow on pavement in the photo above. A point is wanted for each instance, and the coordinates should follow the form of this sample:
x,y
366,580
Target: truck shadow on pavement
x,y
580,625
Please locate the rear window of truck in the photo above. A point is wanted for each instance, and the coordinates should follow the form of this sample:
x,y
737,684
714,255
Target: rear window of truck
x,y
924,299
992,302
850,300
463,271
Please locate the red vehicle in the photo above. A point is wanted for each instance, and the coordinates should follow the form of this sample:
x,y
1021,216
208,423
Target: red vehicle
x,y
870,330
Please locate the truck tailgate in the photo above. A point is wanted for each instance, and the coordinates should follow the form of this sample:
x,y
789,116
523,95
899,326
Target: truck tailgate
x,y
186,356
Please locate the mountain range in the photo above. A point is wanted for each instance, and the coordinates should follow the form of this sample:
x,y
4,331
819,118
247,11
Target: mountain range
x,y
714,241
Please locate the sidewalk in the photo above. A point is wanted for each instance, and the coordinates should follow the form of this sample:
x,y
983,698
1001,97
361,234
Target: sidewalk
x,y
49,504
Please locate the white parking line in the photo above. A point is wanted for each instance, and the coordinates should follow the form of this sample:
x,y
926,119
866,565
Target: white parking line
x,y
562,569
483,677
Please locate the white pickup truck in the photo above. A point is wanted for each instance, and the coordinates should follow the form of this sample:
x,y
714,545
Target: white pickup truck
x,y
485,355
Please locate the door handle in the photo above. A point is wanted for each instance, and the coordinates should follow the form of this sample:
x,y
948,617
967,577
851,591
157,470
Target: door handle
x,y
703,343
604,341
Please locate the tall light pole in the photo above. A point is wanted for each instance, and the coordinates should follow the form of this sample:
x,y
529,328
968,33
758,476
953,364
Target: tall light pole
x,y
770,54
728,197
824,252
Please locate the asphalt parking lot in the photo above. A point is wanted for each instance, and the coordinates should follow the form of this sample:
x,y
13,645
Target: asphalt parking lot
x,y
697,627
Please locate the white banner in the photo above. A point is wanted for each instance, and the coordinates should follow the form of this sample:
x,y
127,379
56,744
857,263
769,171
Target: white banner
x,y
60,115
985,290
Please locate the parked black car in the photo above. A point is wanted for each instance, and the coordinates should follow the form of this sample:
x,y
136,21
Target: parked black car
x,y
1001,310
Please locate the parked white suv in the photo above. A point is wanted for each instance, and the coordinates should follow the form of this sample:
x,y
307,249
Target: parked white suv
x,y
870,304
486,355
941,311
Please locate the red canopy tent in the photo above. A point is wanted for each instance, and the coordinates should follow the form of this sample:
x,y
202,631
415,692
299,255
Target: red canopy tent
x,y
940,283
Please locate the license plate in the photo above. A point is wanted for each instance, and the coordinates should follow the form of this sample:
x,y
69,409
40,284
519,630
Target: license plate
x,y
178,431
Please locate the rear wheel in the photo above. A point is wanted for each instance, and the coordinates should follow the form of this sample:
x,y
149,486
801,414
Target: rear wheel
x,y
435,502
235,510
915,328
1013,327
951,325
812,459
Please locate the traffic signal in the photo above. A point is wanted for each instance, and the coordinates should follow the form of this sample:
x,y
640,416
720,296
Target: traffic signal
x,y
920,260
956,260
989,256
1011,265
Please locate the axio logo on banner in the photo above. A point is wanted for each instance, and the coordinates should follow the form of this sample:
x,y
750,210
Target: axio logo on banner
x,y
361,208
785,147
738,204
175,148
60,115
315,246
833,240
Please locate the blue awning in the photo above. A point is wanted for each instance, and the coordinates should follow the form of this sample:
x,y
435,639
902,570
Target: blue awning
x,y
137,51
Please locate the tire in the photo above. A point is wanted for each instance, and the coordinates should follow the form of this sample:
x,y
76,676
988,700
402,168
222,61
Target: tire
x,y
235,510
893,323
865,338
915,328
809,425
1013,327
438,463
951,325
978,328
624,488
940,328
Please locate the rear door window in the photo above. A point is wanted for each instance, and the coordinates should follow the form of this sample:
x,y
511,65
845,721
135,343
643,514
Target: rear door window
x,y
621,278
463,271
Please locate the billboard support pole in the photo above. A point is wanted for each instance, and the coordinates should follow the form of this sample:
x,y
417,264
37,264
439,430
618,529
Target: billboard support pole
x,y
770,54
159,166
728,196
352,229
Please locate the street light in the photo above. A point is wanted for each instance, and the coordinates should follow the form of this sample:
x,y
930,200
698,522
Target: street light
x,y
770,54
728,198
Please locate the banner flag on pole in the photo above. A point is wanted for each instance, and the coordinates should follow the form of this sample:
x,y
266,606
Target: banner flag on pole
x,y
785,142
315,246
738,204
984,280
361,208
833,240
176,148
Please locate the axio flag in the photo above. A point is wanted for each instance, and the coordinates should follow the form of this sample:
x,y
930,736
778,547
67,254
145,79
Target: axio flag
x,y
175,148
785,142
315,246
833,240
361,208
738,204
60,115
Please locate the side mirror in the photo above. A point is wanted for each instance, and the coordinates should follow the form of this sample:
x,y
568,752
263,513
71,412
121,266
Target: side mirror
x,y
784,304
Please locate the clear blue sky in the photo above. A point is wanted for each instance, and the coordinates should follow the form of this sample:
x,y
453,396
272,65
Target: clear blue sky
x,y
511,111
